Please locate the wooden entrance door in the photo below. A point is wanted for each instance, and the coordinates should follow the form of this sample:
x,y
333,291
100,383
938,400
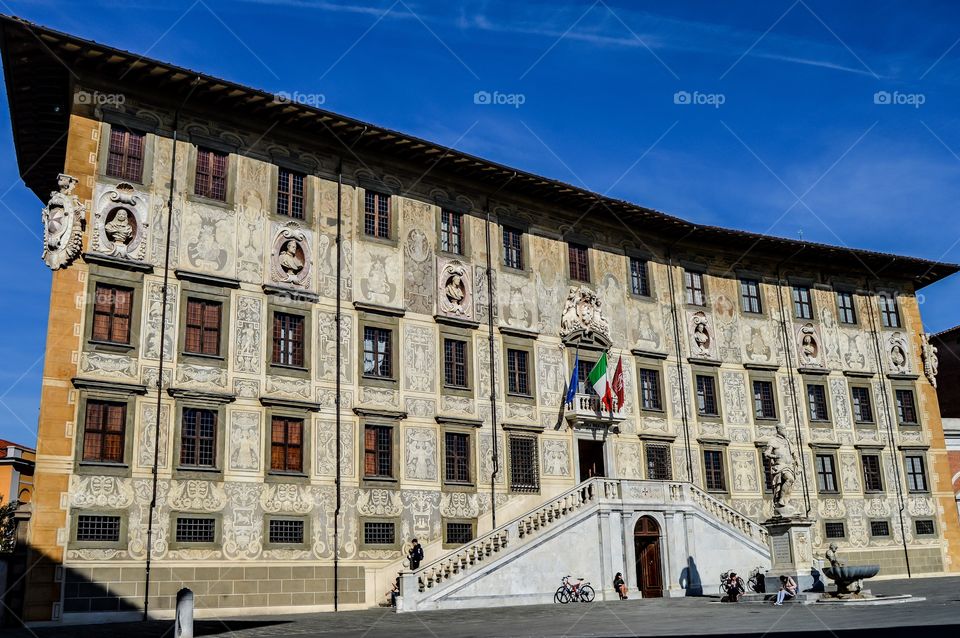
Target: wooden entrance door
x,y
591,459
646,540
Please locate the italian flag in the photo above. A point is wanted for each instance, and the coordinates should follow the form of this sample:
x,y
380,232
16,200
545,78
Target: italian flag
x,y
610,392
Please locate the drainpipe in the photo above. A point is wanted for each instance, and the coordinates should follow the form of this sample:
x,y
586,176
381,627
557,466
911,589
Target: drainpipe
x,y
890,432
493,378
336,400
163,341
680,381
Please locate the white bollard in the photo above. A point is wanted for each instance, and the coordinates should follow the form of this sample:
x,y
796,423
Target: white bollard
x,y
183,625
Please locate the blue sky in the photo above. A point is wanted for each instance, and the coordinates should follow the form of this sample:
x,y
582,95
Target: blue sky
x,y
779,129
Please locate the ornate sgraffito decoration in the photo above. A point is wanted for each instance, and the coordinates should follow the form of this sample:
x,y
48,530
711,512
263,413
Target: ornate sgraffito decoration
x,y
63,220
290,260
931,363
808,346
700,338
556,457
418,270
421,452
120,224
582,318
899,362
454,289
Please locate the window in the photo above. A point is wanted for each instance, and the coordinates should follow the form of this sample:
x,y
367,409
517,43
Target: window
x,y
845,304
203,327
872,477
906,410
706,396
639,282
834,529
196,530
924,527
457,457
285,531
378,451
764,405
287,340
97,527
916,473
817,403
125,155
826,473
290,193
802,305
524,472
198,438
377,353
379,533
211,178
459,533
512,248
517,376
455,363
658,462
694,285
880,528
889,313
750,295
713,470
451,232
650,390
286,444
767,472
579,263
376,215
112,306
583,373
103,432
862,410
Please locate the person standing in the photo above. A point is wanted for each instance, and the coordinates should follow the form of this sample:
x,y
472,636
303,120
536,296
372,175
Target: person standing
x,y
416,555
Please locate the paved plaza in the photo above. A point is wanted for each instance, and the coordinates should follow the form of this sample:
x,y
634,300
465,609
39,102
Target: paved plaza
x,y
938,615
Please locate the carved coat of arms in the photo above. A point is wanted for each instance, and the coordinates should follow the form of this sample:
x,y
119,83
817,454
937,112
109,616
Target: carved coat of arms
x,y
582,313
63,219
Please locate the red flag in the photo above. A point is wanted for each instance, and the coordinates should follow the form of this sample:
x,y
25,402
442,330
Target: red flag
x,y
618,384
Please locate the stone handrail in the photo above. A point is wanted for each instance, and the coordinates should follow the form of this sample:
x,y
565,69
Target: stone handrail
x,y
522,527
720,511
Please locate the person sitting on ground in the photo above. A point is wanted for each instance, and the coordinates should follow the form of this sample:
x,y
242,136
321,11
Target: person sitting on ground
x,y
788,589
620,585
394,592
734,587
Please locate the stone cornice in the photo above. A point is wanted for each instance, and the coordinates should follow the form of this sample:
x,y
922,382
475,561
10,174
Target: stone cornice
x,y
116,387
219,398
293,294
395,415
377,309
450,420
293,404
115,262
209,280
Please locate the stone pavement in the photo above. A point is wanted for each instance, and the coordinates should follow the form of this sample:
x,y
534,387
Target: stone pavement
x,y
939,615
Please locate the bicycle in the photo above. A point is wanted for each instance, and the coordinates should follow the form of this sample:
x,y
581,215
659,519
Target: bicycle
x,y
581,591
724,584
756,581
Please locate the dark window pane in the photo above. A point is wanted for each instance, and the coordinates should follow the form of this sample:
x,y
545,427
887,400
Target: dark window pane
x,y
524,469
693,282
862,409
288,340
457,461
512,248
845,304
706,396
454,363
650,389
916,474
286,444
198,440
290,193
826,473
802,304
451,232
112,306
925,527
125,155
104,428
906,409
196,530
97,527
379,533
459,533
211,175
378,451
834,529
817,403
579,264
889,312
639,282
872,478
750,295
377,352
713,470
376,215
517,379
879,528
286,531
658,462
764,404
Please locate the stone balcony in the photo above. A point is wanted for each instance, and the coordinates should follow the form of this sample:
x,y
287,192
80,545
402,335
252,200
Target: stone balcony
x,y
587,410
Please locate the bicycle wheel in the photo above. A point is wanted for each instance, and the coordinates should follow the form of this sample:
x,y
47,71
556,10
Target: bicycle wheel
x,y
564,596
723,590
587,594
556,596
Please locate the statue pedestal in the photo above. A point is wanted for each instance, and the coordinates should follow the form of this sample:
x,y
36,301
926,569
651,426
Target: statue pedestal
x,y
791,554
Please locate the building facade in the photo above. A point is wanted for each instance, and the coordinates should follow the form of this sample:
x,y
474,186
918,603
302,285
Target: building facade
x,y
947,344
466,292
16,472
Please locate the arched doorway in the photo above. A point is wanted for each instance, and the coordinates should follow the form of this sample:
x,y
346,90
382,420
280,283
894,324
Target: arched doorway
x,y
646,542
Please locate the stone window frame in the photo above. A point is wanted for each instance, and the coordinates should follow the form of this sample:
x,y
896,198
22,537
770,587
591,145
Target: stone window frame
x,y
383,321
695,269
924,466
932,520
766,478
765,377
310,188
508,466
232,166
193,290
113,119
380,482
393,213
655,365
307,535
306,445
397,539
894,295
523,228
98,274
831,452
465,335
822,423
751,278
572,243
722,450
862,384
853,301
528,345
127,397
466,227
173,543
843,524
907,386
445,544
278,303
703,371
76,513
796,285
870,523
863,474
471,432
658,443
648,260
192,472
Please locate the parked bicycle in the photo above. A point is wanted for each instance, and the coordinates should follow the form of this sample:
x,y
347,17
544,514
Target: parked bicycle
x,y
756,582
568,591
725,583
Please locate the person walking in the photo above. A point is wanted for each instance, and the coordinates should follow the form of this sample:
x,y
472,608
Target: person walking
x,y
788,589
416,555
620,585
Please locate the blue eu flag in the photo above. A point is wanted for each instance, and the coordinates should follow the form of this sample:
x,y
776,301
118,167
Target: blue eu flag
x,y
572,388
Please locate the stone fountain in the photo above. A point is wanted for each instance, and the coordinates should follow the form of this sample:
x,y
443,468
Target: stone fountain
x,y
848,578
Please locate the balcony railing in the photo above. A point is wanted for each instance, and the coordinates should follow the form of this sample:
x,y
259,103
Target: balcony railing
x,y
588,408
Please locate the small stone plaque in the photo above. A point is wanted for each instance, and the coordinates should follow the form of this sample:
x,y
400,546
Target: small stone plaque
x,y
782,549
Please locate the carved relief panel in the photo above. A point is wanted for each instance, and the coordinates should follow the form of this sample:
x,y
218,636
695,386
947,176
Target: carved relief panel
x,y
454,289
120,222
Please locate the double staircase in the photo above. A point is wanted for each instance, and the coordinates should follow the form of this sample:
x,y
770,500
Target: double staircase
x,y
588,531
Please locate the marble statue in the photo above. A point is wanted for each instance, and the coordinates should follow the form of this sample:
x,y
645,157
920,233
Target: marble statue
x,y
809,348
454,294
783,469
701,336
63,219
931,363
